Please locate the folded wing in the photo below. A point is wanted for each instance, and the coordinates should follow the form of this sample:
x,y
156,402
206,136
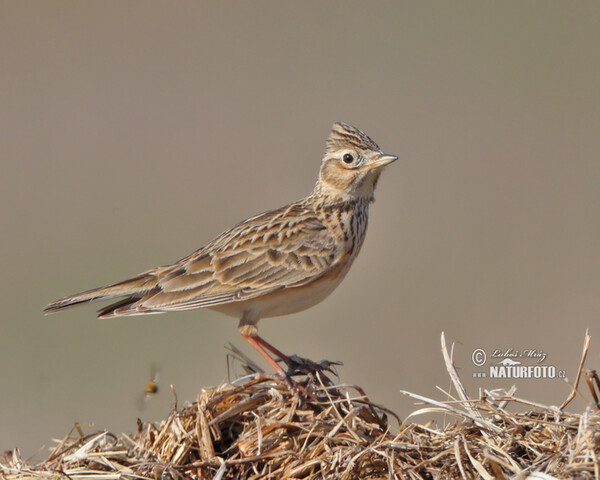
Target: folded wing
x,y
280,249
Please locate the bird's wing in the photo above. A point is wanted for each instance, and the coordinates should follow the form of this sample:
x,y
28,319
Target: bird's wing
x,y
279,249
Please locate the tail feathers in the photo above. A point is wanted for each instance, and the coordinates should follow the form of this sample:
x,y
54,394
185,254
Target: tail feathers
x,y
132,288
123,307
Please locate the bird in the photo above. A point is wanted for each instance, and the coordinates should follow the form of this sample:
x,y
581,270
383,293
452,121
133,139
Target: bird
x,y
276,263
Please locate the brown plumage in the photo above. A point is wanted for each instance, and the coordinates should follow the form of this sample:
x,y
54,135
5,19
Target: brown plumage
x,y
279,262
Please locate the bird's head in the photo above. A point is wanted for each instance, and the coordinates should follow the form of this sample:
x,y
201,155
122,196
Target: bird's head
x,y
351,165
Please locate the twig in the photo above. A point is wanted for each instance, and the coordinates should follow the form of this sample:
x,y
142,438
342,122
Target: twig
x,y
586,346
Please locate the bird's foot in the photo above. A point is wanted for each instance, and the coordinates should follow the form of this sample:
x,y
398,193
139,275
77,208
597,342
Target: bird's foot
x,y
314,371
296,366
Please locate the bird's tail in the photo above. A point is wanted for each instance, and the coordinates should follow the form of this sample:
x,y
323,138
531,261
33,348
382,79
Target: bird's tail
x,y
132,288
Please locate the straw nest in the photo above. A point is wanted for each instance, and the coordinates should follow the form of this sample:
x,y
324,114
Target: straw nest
x,y
255,428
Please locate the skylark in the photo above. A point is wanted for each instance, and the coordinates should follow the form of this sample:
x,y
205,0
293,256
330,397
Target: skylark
x,y
279,262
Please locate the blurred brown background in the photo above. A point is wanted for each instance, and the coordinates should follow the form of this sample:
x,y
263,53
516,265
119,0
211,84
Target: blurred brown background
x,y
132,133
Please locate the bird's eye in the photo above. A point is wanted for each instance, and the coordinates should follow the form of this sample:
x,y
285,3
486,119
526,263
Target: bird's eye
x,y
348,158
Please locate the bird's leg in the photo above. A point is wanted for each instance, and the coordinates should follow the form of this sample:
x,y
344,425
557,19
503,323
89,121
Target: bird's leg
x,y
247,328
296,388
256,341
262,346
283,357
294,363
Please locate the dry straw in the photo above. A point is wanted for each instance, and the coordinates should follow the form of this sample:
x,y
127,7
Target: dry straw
x,y
255,428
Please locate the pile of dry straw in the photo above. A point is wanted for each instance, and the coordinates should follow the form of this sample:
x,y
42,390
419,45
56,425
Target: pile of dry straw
x,y
255,427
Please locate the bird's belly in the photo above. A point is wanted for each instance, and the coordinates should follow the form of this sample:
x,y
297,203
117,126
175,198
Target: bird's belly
x,y
286,301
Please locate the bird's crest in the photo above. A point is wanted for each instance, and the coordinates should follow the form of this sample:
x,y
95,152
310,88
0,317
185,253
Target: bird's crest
x,y
344,135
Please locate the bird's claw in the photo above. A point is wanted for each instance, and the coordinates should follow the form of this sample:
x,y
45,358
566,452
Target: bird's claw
x,y
315,371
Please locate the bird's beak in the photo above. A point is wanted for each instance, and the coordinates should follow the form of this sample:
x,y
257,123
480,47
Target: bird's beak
x,y
381,161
